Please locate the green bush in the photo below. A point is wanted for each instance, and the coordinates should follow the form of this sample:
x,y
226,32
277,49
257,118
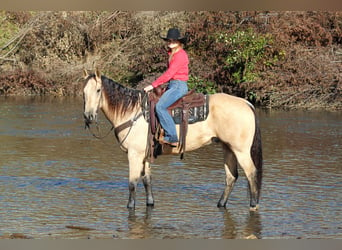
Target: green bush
x,y
201,85
246,49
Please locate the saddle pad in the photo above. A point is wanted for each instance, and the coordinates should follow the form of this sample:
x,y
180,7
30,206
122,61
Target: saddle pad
x,y
196,114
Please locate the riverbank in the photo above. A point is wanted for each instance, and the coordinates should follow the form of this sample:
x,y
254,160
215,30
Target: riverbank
x,y
291,98
277,59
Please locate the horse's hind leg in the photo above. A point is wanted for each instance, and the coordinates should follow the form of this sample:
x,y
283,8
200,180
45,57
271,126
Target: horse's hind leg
x,y
230,166
147,180
246,163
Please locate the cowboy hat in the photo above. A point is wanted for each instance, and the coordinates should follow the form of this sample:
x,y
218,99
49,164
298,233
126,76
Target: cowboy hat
x,y
174,34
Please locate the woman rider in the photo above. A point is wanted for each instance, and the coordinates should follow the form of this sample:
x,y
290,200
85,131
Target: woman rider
x,y
177,75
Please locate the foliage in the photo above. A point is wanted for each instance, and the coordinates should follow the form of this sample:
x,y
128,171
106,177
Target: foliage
x,y
246,48
7,29
26,82
201,85
266,57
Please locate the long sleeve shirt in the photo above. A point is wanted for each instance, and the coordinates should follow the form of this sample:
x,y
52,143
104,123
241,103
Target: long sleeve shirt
x,y
177,70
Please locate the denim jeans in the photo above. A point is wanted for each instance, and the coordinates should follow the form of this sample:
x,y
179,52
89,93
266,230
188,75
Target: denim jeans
x,y
175,90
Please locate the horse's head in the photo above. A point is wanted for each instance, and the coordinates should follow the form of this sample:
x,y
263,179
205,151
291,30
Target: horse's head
x,y
92,93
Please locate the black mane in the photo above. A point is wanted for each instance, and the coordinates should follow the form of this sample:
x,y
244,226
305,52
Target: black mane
x,y
120,98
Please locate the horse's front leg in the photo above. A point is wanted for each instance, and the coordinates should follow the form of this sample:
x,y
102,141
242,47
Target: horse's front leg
x,y
132,192
137,169
147,180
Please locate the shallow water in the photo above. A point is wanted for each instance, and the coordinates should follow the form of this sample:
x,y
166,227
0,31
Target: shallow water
x,y
57,181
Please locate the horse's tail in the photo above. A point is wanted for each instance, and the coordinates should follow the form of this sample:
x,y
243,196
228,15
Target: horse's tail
x,y
256,153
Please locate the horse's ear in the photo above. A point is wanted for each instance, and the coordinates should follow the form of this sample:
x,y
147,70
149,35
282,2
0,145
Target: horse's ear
x,y
85,74
97,74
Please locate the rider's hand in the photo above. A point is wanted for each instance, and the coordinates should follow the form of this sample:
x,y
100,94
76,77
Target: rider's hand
x,y
148,88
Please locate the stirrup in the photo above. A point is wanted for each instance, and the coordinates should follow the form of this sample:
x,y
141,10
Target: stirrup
x,y
171,144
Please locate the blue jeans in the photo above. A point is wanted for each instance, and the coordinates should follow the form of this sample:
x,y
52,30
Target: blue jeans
x,y
175,90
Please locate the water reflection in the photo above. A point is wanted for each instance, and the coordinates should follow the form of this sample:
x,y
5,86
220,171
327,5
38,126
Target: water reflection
x,y
140,228
145,227
251,229
229,230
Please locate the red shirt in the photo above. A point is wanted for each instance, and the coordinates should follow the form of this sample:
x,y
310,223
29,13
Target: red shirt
x,y
178,69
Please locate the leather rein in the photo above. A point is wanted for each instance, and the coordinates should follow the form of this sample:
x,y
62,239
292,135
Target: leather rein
x,y
128,124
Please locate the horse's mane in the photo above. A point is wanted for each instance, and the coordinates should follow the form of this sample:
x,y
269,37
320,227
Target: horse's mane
x,y
120,98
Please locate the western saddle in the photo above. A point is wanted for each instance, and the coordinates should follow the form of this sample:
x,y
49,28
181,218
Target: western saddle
x,y
190,100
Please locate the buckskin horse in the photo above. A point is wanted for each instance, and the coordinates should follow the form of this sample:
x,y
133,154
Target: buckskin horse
x,y
231,121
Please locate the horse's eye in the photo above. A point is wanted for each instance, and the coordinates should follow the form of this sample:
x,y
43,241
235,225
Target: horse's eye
x,y
98,91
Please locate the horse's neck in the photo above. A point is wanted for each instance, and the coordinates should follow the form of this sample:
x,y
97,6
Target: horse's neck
x,y
115,118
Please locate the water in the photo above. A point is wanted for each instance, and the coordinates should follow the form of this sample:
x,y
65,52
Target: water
x,y
57,181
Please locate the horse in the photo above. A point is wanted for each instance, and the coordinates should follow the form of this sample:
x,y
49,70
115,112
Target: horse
x,y
231,121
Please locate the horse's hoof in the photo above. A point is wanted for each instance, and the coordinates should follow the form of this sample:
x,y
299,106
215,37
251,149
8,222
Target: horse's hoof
x,y
256,208
220,205
131,206
150,204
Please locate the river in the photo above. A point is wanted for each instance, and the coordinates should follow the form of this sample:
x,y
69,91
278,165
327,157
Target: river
x,y
59,182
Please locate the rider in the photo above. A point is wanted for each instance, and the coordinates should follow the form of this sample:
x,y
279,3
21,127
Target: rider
x,y
177,76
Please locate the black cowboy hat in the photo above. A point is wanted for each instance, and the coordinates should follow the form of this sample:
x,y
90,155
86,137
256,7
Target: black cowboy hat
x,y
174,34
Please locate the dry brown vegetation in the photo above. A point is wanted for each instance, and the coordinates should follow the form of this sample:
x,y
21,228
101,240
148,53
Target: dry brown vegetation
x,y
45,52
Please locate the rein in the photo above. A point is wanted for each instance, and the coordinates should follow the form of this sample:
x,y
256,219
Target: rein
x,y
128,124
97,127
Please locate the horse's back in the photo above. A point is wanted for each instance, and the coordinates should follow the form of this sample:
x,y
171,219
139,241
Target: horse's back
x,y
224,105
232,117
233,101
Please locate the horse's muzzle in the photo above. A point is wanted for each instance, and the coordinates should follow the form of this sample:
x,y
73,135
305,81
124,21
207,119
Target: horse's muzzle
x,y
89,119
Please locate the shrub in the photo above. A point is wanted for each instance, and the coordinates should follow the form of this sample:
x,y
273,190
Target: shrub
x,y
201,85
20,82
245,49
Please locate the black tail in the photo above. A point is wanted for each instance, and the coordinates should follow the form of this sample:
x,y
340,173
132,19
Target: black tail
x,y
256,153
